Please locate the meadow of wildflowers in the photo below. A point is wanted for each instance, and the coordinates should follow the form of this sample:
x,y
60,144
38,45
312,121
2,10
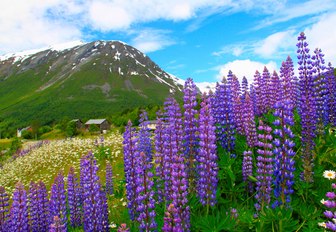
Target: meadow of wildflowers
x,y
244,158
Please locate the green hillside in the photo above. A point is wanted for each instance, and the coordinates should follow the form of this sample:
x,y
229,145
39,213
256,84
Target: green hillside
x,y
91,89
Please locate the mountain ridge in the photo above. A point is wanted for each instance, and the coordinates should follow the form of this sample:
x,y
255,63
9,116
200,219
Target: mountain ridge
x,y
90,79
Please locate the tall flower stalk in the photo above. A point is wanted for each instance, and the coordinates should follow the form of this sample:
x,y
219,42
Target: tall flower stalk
x,y
283,150
264,167
4,209
190,122
58,199
74,199
207,167
307,107
130,164
19,210
93,202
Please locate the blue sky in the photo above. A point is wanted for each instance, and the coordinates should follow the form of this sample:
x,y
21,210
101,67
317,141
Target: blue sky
x,y
202,39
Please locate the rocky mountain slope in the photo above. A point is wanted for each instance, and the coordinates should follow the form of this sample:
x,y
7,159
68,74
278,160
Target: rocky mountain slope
x,y
88,80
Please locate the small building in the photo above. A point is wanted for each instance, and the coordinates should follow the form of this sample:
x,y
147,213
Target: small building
x,y
78,122
102,124
20,130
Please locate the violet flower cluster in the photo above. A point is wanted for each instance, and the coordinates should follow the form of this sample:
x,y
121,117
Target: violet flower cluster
x,y
130,163
145,194
39,217
250,130
4,209
19,210
172,222
284,154
330,203
307,106
58,199
172,144
159,158
57,225
207,167
94,206
320,89
331,95
74,199
223,114
190,123
109,179
264,167
287,80
144,141
247,169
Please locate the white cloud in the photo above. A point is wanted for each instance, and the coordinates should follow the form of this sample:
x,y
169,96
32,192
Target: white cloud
x,y
106,16
24,25
323,35
275,44
205,87
297,10
245,68
150,40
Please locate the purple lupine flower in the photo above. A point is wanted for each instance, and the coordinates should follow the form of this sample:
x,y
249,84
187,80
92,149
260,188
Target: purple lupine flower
x,y
296,91
207,167
19,210
57,225
244,86
33,207
283,150
93,204
172,142
275,90
287,80
239,115
222,108
144,141
331,195
159,158
58,199
320,87
74,199
123,228
264,166
172,222
104,212
253,96
130,163
179,180
307,107
109,179
250,130
4,211
266,91
145,195
190,122
43,207
258,89
247,169
331,95
331,225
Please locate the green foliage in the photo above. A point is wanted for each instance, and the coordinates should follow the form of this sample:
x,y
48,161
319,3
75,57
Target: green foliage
x,y
71,129
93,128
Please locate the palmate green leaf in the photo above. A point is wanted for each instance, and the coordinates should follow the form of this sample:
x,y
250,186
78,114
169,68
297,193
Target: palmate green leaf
x,y
219,221
279,219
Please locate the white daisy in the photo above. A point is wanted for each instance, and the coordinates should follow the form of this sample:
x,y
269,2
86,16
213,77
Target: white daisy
x,y
329,174
323,224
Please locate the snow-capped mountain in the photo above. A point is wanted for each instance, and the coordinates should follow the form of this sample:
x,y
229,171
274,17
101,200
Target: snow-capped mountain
x,y
105,75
